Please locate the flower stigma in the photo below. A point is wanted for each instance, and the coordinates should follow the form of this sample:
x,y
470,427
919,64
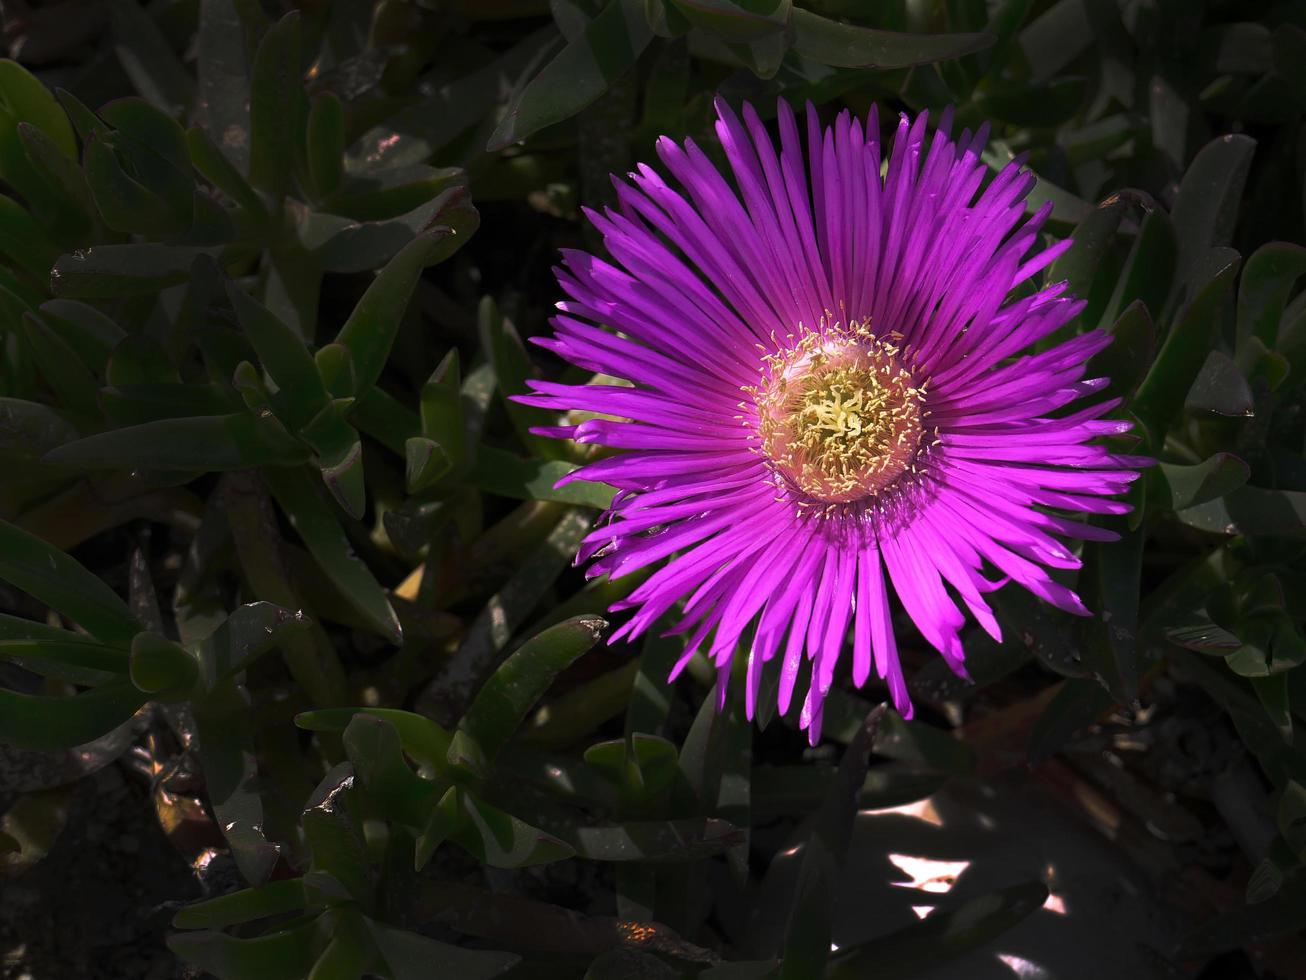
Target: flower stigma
x,y
839,415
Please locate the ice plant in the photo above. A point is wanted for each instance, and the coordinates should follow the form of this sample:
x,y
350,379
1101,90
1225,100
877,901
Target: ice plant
x,y
830,397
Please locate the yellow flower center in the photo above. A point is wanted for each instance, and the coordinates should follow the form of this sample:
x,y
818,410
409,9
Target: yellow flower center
x,y
839,415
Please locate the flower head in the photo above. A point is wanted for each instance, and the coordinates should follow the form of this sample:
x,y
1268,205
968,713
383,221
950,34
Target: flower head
x,y
829,399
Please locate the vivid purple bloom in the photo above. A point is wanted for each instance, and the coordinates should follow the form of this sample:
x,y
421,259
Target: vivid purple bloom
x,y
828,399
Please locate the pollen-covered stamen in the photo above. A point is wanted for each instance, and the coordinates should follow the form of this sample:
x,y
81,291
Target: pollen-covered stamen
x,y
839,415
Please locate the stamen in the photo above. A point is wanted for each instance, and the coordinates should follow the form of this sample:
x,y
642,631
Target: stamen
x,y
839,415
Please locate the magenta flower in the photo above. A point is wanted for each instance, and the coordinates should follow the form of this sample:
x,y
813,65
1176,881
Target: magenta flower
x,y
828,400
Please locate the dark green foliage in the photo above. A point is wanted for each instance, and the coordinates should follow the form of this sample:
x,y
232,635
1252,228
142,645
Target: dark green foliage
x,y
273,534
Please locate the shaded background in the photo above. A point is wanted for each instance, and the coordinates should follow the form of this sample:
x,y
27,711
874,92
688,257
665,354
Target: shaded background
x,y
265,273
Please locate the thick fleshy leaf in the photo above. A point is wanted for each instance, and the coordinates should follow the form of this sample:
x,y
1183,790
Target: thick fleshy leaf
x,y
900,739
1208,480
334,834
274,103
65,181
508,475
249,632
410,956
848,46
502,840
63,584
312,517
245,905
579,74
1273,694
1191,337
1110,585
112,271
222,66
370,331
442,410
422,738
158,665
1250,511
449,693
36,722
943,935
201,443
426,463
339,455
326,143
673,840
1148,271
374,747
32,428
1267,281
285,358
1292,816
1220,388
287,954
128,203
1045,105
1206,206
828,833
343,244
734,21
416,132
509,693
23,240
1133,344
1204,636
65,655
219,170
148,59
67,375
1055,38
23,98
512,368
1078,703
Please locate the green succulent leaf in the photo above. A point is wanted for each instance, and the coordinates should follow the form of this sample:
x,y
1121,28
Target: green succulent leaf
x,y
1189,486
370,331
52,577
275,100
1207,203
1220,388
410,955
422,738
945,934
504,699
326,143
38,722
115,271
1267,282
159,665
502,840
579,74
249,632
848,46
287,954
1191,336
311,516
211,442
509,475
285,358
